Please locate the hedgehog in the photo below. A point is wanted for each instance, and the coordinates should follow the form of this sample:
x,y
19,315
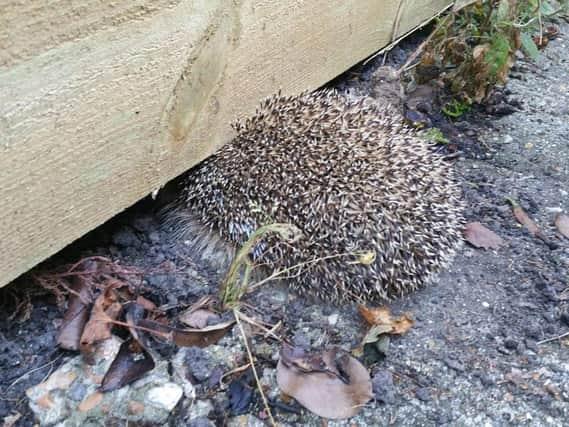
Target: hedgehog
x,y
350,175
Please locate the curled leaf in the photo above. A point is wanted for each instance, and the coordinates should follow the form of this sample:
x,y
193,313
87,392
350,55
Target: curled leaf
x,y
381,316
105,310
76,316
131,363
332,384
188,337
523,218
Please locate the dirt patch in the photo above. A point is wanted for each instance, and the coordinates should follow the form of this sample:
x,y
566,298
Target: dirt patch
x,y
473,356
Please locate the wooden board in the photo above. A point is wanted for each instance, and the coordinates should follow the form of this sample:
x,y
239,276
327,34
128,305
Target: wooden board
x,y
102,102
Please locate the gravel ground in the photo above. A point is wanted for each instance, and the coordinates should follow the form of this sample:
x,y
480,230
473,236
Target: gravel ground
x,y
473,357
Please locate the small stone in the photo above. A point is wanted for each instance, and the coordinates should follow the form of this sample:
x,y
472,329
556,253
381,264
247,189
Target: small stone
x,y
154,237
135,408
200,422
510,343
198,363
532,345
165,396
301,339
533,331
333,319
45,401
383,389
485,304
454,364
486,380
143,224
423,394
78,391
245,420
564,317
125,237
158,280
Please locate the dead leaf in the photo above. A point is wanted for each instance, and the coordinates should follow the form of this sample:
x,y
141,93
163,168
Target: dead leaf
x,y
199,318
201,337
134,314
523,218
331,385
188,337
77,314
372,336
382,316
105,310
131,363
147,304
481,237
562,224
91,401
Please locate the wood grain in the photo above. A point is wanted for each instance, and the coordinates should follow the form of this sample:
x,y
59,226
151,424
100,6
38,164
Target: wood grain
x,y
102,102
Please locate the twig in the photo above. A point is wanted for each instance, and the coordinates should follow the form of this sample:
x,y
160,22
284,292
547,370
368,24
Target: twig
x,y
267,331
250,355
398,39
539,20
416,53
558,337
24,375
234,371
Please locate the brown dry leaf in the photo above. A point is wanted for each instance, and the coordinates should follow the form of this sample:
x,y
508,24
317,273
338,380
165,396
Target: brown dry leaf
x,y
199,318
131,363
523,218
77,314
481,237
188,337
562,224
201,337
373,335
382,316
147,304
90,401
105,310
331,385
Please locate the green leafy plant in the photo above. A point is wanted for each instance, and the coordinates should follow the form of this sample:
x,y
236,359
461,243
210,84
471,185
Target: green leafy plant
x,y
472,48
435,135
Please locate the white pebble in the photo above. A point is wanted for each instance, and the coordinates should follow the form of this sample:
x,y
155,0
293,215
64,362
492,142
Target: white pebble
x,y
166,396
333,319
